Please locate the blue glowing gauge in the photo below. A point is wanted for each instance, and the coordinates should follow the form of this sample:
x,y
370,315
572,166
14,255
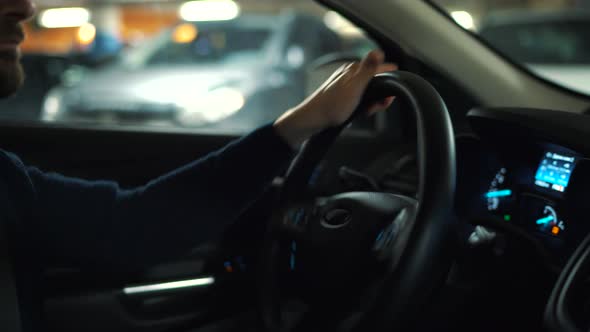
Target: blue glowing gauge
x,y
497,191
549,222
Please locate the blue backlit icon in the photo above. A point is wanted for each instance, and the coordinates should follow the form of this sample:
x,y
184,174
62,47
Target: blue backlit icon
x,y
228,267
544,220
292,262
498,193
292,256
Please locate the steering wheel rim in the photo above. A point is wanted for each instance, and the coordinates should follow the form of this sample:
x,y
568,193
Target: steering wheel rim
x,y
426,255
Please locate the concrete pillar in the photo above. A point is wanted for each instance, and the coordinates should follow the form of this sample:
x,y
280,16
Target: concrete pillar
x,y
107,19
108,41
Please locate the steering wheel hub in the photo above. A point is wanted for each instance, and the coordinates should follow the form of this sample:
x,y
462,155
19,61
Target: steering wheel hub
x,y
336,218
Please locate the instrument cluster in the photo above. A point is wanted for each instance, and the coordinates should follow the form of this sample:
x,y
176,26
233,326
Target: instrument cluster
x,y
540,188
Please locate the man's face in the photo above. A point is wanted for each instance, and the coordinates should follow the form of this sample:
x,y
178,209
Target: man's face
x,y
12,14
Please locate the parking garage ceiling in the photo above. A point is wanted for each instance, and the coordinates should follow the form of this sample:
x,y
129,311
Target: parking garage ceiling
x,y
475,5
64,3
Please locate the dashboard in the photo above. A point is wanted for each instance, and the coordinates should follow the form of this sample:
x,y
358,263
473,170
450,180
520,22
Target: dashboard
x,y
534,178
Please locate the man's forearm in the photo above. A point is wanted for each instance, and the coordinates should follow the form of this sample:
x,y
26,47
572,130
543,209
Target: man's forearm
x,y
197,202
95,222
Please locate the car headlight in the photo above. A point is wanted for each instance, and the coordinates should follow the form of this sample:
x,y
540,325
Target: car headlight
x,y
52,106
213,106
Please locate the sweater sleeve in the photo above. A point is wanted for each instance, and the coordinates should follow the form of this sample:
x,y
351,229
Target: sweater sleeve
x,y
96,222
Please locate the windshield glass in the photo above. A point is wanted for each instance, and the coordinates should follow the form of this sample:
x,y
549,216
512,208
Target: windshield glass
x,y
206,66
549,37
559,43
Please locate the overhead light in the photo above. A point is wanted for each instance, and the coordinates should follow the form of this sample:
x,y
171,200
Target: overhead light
x,y
185,33
86,34
64,17
209,10
340,24
463,18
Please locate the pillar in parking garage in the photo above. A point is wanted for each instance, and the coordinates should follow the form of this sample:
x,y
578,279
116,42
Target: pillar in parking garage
x,y
107,42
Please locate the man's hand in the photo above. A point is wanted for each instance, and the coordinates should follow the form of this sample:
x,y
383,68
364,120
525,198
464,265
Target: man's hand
x,y
335,101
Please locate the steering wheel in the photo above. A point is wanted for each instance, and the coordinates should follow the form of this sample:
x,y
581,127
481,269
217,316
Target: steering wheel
x,y
561,312
366,261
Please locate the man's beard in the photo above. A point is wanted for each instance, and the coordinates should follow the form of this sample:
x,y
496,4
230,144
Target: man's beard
x,y
11,71
11,75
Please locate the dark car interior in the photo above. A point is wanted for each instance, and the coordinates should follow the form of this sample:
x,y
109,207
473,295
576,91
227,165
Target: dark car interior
x,y
381,161
78,301
515,256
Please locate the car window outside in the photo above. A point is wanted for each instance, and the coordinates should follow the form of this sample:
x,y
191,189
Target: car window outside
x,y
217,66
549,37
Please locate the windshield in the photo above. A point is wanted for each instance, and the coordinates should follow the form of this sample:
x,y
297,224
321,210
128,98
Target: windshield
x,y
543,42
550,38
214,66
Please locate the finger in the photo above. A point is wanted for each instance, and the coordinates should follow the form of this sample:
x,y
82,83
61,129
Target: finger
x,y
386,67
385,103
374,59
371,63
381,105
374,63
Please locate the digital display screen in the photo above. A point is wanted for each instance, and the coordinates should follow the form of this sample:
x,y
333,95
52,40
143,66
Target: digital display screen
x,y
554,171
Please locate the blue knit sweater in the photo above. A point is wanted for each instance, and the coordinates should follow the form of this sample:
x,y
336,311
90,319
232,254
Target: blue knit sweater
x,y
61,221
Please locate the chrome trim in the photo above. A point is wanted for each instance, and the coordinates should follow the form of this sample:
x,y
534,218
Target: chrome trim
x,y
198,282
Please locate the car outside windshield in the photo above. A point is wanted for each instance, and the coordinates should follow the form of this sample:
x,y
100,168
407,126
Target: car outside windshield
x,y
191,43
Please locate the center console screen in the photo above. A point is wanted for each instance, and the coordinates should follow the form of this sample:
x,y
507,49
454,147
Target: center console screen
x,y
554,171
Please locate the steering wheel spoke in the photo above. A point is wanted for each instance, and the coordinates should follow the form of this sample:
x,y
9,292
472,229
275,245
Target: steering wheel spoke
x,y
294,219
